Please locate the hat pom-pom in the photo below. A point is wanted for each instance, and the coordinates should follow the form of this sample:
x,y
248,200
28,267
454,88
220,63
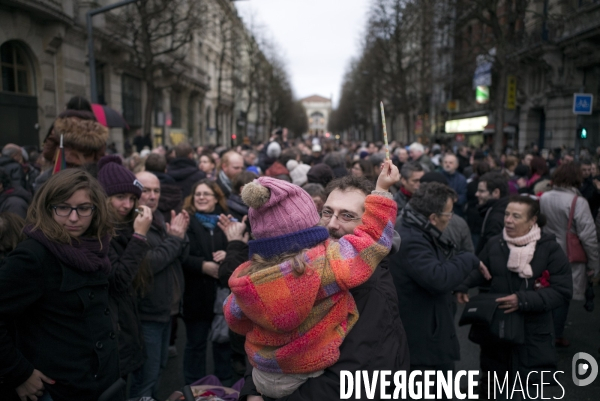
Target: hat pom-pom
x,y
255,195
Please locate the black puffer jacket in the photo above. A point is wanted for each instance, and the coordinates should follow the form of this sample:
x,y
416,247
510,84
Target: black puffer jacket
x,y
200,289
425,275
62,328
14,170
536,305
186,173
126,254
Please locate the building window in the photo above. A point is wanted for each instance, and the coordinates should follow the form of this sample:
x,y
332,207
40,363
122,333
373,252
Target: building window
x,y
132,100
16,71
176,109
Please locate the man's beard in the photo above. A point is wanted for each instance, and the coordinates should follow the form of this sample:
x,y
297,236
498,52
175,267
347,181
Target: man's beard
x,y
335,234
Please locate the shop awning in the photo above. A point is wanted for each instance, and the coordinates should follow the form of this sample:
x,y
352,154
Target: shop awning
x,y
466,125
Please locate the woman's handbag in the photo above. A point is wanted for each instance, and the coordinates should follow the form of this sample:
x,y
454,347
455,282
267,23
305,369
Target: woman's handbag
x,y
219,331
488,320
575,251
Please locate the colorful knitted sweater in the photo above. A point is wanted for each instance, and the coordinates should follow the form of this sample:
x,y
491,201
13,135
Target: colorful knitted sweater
x,y
296,323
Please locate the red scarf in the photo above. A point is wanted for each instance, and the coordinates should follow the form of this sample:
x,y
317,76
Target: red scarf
x,y
406,193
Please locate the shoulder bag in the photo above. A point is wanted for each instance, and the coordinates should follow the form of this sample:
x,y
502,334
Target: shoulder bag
x,y
575,251
491,323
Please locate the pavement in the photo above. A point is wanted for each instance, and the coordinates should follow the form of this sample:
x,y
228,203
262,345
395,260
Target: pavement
x,y
583,331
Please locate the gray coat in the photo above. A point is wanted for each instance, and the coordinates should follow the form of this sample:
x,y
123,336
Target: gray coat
x,y
458,232
556,205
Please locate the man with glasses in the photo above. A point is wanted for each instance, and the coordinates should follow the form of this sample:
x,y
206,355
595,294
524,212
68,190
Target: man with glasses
x,y
425,273
377,341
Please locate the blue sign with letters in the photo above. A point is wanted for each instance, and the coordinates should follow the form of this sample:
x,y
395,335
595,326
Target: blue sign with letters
x,y
582,103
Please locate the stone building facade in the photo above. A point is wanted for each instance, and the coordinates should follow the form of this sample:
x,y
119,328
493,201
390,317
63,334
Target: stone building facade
x,y
43,45
318,110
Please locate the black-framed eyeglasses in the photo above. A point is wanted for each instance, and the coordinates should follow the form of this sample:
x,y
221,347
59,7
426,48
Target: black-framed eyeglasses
x,y
345,217
64,211
204,195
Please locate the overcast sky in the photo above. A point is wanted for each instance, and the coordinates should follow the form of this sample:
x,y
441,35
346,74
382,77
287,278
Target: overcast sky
x,y
317,38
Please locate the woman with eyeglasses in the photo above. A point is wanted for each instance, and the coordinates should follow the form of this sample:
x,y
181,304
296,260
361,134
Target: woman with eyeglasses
x,y
54,294
205,204
127,252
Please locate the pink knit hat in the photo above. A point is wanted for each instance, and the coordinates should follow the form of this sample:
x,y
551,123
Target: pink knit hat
x,y
278,208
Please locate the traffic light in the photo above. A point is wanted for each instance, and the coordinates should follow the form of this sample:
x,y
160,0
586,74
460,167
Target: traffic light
x,y
583,133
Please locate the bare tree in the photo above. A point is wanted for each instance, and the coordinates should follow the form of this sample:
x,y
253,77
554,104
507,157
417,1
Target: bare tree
x,y
159,33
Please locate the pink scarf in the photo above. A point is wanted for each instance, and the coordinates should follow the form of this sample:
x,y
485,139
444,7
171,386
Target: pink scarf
x,y
521,251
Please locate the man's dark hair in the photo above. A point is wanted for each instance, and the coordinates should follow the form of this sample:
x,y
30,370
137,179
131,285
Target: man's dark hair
x,y
242,179
183,150
586,162
79,103
431,198
495,181
349,182
376,160
315,190
538,165
409,168
156,163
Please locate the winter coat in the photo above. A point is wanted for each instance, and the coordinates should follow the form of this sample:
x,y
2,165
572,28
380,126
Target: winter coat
x,y
425,275
126,254
556,205
426,162
200,289
170,195
492,213
237,207
277,169
474,220
186,173
15,200
164,259
63,325
458,183
296,323
377,342
13,169
401,201
458,233
538,352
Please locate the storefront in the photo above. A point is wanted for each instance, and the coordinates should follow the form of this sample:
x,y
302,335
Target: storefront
x,y
468,131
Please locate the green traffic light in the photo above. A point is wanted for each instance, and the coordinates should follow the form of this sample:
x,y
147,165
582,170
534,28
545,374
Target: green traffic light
x,y
583,133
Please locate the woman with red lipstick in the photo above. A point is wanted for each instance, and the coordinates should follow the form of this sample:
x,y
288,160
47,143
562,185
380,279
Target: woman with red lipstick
x,y
127,252
57,337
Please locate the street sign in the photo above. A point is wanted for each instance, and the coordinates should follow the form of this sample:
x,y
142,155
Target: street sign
x,y
482,94
582,103
511,92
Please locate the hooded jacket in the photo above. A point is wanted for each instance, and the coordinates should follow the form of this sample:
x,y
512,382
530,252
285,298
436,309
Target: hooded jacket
x,y
301,328
15,200
186,173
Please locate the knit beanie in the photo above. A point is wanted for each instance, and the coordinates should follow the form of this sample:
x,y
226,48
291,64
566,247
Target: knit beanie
x,y
320,174
283,217
116,179
298,172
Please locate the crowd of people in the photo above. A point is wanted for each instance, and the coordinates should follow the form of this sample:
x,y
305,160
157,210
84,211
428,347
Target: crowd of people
x,y
355,262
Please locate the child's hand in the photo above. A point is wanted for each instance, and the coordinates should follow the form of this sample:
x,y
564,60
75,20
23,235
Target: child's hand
x,y
389,176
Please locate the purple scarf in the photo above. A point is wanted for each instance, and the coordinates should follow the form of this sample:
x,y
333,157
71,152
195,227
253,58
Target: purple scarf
x,y
83,253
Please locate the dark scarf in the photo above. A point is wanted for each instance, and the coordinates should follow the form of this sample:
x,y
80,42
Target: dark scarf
x,y
85,253
236,204
415,219
209,221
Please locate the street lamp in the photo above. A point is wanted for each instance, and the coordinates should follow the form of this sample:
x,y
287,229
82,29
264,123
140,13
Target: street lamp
x,y
91,58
